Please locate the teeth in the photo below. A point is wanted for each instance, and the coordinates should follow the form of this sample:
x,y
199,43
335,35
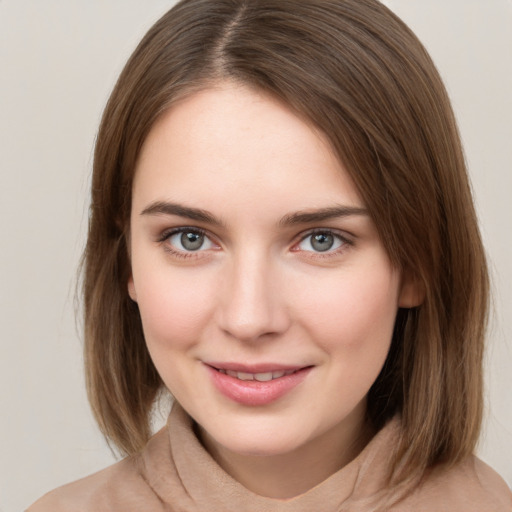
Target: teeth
x,y
263,377
246,376
260,377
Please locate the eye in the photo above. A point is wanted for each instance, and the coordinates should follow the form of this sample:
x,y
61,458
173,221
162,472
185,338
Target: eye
x,y
189,240
321,241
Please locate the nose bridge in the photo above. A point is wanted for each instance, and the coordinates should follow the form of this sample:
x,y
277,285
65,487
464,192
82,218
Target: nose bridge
x,y
252,305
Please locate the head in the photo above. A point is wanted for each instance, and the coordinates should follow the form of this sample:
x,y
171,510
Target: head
x,y
355,73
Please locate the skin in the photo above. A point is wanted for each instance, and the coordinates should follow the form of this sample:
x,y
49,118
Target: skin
x,y
258,290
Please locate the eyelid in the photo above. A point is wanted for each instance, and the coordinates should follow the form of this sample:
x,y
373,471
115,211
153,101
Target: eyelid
x,y
168,233
343,236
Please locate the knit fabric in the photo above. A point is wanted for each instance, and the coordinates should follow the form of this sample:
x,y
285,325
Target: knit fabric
x,y
174,473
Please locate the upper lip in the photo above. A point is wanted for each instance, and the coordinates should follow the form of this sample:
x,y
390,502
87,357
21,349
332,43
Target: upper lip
x,y
254,368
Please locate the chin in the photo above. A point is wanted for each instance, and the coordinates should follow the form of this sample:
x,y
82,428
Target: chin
x,y
264,447
258,438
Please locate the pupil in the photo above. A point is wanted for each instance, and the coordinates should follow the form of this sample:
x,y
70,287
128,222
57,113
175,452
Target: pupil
x,y
192,241
322,242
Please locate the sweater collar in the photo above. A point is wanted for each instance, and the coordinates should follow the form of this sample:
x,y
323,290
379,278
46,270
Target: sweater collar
x,y
185,476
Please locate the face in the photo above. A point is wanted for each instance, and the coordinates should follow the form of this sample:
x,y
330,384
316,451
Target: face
x,y
266,297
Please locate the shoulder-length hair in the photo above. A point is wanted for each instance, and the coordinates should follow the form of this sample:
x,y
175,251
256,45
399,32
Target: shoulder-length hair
x,y
354,70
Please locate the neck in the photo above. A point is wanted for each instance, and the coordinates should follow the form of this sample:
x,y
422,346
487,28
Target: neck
x,y
287,475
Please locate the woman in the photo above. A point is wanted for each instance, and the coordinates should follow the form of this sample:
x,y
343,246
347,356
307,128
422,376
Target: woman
x,y
282,235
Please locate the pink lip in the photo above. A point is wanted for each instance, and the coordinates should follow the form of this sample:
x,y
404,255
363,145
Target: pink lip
x,y
254,368
252,392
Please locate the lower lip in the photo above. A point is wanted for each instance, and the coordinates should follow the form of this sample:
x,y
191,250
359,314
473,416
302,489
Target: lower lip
x,y
253,392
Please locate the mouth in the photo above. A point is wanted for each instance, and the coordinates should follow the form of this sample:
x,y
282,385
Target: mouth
x,y
256,384
260,377
260,372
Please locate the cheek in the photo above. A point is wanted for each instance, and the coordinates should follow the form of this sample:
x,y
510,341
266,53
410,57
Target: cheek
x,y
174,312
355,315
353,326
173,307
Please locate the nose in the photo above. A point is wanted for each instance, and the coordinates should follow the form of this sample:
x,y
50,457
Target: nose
x,y
252,304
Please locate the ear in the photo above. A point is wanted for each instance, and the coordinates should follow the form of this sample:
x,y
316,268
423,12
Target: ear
x,y
412,291
131,289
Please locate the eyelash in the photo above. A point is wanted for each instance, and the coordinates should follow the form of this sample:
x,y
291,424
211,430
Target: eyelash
x,y
345,242
166,235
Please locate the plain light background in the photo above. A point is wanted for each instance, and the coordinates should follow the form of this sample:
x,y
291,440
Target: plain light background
x,y
58,63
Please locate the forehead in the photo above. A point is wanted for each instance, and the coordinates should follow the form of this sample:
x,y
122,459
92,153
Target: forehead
x,y
233,146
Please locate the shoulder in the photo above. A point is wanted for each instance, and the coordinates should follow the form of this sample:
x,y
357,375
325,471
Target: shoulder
x,y
105,490
122,486
466,487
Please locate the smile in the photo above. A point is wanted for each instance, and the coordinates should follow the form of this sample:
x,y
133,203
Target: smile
x,y
256,385
260,377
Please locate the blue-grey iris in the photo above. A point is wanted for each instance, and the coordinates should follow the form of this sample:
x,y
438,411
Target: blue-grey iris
x,y
322,242
192,241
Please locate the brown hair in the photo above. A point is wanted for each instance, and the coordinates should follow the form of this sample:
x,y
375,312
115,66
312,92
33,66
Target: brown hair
x,y
361,76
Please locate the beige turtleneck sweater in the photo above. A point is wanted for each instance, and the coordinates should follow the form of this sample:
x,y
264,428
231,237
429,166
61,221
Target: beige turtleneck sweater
x,y
174,473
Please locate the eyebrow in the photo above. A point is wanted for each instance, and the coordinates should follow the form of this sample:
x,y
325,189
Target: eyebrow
x,y
322,214
166,208
292,219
